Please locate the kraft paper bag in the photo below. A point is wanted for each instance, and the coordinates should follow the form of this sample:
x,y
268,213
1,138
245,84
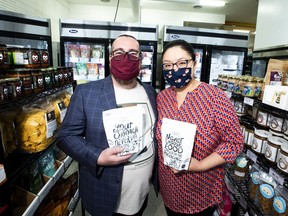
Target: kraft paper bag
x,y
124,127
177,143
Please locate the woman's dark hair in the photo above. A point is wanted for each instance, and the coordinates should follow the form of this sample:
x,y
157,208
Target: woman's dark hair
x,y
183,45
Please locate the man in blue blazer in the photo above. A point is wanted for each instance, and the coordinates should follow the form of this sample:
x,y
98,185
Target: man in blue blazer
x,y
111,183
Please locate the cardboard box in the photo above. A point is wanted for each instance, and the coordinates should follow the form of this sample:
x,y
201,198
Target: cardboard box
x,y
25,202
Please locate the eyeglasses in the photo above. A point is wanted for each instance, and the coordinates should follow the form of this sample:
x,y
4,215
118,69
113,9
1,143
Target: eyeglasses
x,y
120,54
179,64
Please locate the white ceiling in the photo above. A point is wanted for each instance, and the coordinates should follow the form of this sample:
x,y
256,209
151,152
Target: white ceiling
x,y
242,12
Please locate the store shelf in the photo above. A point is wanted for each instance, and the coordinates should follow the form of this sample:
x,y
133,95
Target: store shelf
x,y
242,186
36,199
16,103
18,161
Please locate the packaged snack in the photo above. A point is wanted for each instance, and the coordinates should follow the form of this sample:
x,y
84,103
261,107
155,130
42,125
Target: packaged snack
x,y
280,201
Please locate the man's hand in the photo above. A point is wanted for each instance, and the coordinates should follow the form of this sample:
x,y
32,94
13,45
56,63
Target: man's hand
x,y
111,157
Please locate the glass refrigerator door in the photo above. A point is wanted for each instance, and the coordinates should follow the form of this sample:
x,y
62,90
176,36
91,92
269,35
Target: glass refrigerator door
x,y
259,67
147,64
87,60
199,57
225,62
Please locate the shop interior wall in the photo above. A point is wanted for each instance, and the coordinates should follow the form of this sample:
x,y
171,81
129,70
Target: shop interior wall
x,y
271,27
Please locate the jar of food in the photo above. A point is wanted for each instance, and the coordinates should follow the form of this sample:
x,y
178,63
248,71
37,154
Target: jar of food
x,y
44,55
276,123
60,76
231,83
240,107
4,60
280,202
224,82
3,90
55,77
70,75
248,135
237,89
249,87
266,198
258,87
242,82
241,166
47,78
38,83
34,58
254,186
273,148
259,142
262,118
14,88
219,81
25,79
282,162
285,126
65,75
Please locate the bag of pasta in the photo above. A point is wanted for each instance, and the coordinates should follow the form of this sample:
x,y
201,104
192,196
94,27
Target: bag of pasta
x,y
59,108
65,96
35,127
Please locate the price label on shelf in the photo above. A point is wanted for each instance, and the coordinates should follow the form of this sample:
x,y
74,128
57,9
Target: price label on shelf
x,y
252,156
276,176
228,94
248,101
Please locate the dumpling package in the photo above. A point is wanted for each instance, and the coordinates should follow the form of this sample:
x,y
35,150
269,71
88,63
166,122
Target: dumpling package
x,y
177,143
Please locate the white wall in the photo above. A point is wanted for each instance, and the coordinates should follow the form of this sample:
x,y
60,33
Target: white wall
x,y
271,27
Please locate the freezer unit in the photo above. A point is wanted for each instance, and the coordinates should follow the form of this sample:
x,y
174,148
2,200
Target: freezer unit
x,y
86,45
217,51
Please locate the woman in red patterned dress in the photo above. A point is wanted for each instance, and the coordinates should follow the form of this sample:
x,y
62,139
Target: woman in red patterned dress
x,y
218,138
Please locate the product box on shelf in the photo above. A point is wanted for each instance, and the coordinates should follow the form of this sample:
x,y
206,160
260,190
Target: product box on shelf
x,y
276,96
25,202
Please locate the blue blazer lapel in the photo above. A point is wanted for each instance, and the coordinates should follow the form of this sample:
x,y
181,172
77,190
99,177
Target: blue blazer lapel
x,y
107,97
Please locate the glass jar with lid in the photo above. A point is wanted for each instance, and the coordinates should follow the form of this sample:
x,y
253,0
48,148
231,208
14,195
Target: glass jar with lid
x,y
219,81
14,88
4,60
273,148
61,76
47,78
224,82
258,87
38,82
25,78
259,142
237,88
249,87
3,90
44,58
55,77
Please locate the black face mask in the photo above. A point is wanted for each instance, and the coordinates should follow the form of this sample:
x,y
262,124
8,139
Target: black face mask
x,y
179,78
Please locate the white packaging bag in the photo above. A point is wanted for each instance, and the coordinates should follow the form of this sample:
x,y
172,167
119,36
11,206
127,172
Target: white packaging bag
x,y
177,143
124,127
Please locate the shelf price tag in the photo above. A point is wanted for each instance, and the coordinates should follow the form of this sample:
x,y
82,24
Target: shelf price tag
x,y
228,94
276,176
251,155
248,101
